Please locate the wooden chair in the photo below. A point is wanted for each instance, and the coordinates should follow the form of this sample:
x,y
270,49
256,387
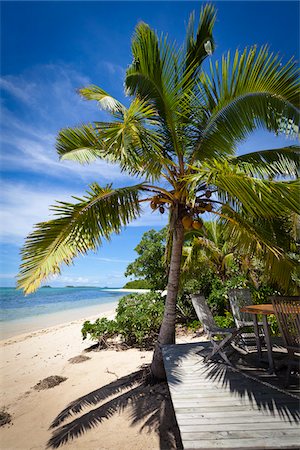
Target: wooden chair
x,y
212,330
239,298
287,312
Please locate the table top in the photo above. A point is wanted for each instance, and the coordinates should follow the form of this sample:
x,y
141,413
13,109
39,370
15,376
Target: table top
x,y
259,309
266,309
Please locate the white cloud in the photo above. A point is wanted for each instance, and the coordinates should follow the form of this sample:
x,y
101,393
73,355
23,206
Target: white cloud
x,y
114,69
22,206
48,101
112,260
10,85
4,276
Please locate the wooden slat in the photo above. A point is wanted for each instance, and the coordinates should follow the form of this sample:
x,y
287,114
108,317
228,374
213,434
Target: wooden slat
x,y
230,412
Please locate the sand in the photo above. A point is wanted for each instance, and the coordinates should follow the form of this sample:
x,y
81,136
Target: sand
x,y
108,417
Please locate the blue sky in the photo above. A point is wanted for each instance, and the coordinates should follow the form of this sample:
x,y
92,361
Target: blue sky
x,y
50,49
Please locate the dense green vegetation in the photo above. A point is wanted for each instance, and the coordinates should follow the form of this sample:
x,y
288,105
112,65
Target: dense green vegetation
x,y
150,264
137,321
137,284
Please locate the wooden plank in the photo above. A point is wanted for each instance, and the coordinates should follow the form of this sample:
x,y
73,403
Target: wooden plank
x,y
216,427
225,409
236,434
224,419
288,442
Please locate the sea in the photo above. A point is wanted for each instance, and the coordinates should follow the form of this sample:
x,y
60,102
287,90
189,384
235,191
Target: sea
x,y
14,306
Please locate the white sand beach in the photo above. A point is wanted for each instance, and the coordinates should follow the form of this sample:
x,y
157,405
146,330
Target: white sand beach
x,y
28,358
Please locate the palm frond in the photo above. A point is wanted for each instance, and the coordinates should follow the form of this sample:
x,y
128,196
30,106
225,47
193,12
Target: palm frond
x,y
266,239
253,196
81,144
78,228
201,44
251,90
153,74
105,101
283,161
131,141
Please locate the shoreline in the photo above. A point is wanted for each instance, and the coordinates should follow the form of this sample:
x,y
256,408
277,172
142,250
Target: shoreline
x,y
19,328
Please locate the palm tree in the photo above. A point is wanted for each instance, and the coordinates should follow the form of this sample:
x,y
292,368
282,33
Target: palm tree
x,y
179,134
222,244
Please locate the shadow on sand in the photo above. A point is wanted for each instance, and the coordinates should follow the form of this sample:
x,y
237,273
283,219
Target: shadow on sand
x,y
150,407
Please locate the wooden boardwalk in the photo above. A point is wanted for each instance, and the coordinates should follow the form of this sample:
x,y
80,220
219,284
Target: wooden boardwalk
x,y
220,407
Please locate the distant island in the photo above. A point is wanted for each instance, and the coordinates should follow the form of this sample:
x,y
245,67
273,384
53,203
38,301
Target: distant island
x,y
47,286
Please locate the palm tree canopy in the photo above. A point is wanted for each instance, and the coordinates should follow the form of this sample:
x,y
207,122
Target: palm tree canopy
x,y
180,131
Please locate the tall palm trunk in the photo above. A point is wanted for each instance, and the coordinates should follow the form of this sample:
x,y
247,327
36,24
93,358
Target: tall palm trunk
x,y
167,329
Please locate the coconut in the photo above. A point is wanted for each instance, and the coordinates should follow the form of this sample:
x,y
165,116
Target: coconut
x,y
187,222
197,224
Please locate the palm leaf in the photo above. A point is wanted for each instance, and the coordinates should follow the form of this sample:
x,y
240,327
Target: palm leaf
x,y
78,228
105,101
267,239
82,144
253,90
131,141
201,44
280,161
253,196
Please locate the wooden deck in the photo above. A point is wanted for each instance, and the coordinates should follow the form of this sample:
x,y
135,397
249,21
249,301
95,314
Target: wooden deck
x,y
220,407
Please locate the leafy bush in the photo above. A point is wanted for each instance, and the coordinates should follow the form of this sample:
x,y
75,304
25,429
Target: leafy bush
x,y
100,331
262,294
138,320
273,325
149,265
218,299
139,317
193,325
226,321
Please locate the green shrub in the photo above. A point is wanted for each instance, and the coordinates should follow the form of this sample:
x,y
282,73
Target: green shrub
x,y
218,299
273,325
193,325
262,294
139,317
101,330
138,320
226,321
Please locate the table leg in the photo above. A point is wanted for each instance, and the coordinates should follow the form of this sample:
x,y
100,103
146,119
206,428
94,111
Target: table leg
x,y
256,332
268,343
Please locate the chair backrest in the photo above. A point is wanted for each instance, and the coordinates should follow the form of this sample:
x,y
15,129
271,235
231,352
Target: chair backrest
x,y
239,298
203,312
287,312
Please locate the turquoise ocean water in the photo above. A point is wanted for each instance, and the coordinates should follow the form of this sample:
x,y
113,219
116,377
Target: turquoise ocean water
x,y
14,306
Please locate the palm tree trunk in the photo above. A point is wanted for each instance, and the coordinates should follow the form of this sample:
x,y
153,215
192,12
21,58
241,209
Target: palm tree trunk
x,y
167,329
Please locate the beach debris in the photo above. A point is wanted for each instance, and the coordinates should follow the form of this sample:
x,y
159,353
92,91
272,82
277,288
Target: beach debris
x,y
49,382
78,359
5,417
112,373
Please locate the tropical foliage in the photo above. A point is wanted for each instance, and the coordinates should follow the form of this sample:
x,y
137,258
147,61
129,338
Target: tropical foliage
x,y
137,321
179,133
150,263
